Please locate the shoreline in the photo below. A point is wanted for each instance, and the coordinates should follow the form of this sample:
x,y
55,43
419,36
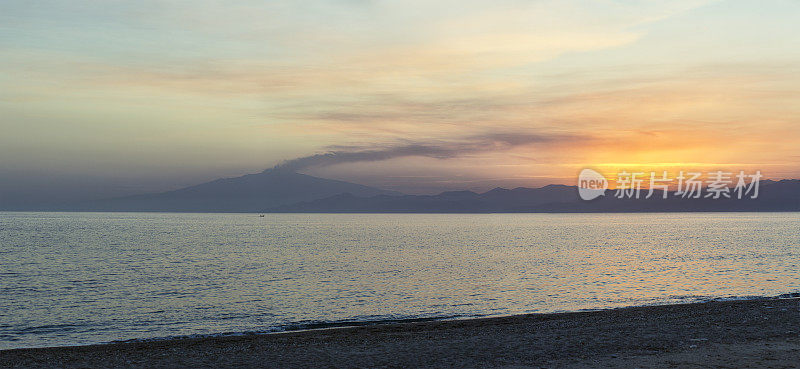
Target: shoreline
x,y
757,332
345,324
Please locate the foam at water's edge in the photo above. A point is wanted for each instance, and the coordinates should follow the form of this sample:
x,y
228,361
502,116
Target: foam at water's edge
x,y
304,326
320,325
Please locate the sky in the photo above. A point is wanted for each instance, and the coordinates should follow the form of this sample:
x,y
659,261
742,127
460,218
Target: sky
x,y
108,98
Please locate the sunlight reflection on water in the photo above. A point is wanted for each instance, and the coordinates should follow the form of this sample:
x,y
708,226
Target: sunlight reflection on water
x,y
76,278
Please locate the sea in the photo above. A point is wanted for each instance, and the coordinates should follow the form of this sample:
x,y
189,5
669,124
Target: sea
x,y
84,278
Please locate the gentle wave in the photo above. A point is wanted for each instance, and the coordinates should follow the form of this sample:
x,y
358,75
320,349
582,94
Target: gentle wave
x,y
322,325
83,278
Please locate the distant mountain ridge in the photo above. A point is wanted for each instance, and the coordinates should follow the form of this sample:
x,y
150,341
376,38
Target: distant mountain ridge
x,y
248,193
774,196
278,190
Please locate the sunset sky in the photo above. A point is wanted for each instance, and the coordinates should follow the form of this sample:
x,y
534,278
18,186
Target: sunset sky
x,y
105,98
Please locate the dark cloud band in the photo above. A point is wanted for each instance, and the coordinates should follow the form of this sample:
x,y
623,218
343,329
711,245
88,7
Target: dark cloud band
x,y
439,150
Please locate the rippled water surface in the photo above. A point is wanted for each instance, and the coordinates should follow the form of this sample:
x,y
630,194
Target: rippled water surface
x,y
77,278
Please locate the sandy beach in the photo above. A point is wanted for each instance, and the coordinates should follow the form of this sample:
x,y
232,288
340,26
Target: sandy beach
x,y
763,333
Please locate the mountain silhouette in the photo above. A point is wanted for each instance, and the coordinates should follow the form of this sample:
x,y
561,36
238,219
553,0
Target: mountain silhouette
x,y
279,190
248,193
782,195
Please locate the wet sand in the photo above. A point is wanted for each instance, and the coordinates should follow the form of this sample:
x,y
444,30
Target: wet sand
x,y
762,333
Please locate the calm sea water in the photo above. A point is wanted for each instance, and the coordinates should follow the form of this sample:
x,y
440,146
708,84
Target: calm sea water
x,y
79,278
